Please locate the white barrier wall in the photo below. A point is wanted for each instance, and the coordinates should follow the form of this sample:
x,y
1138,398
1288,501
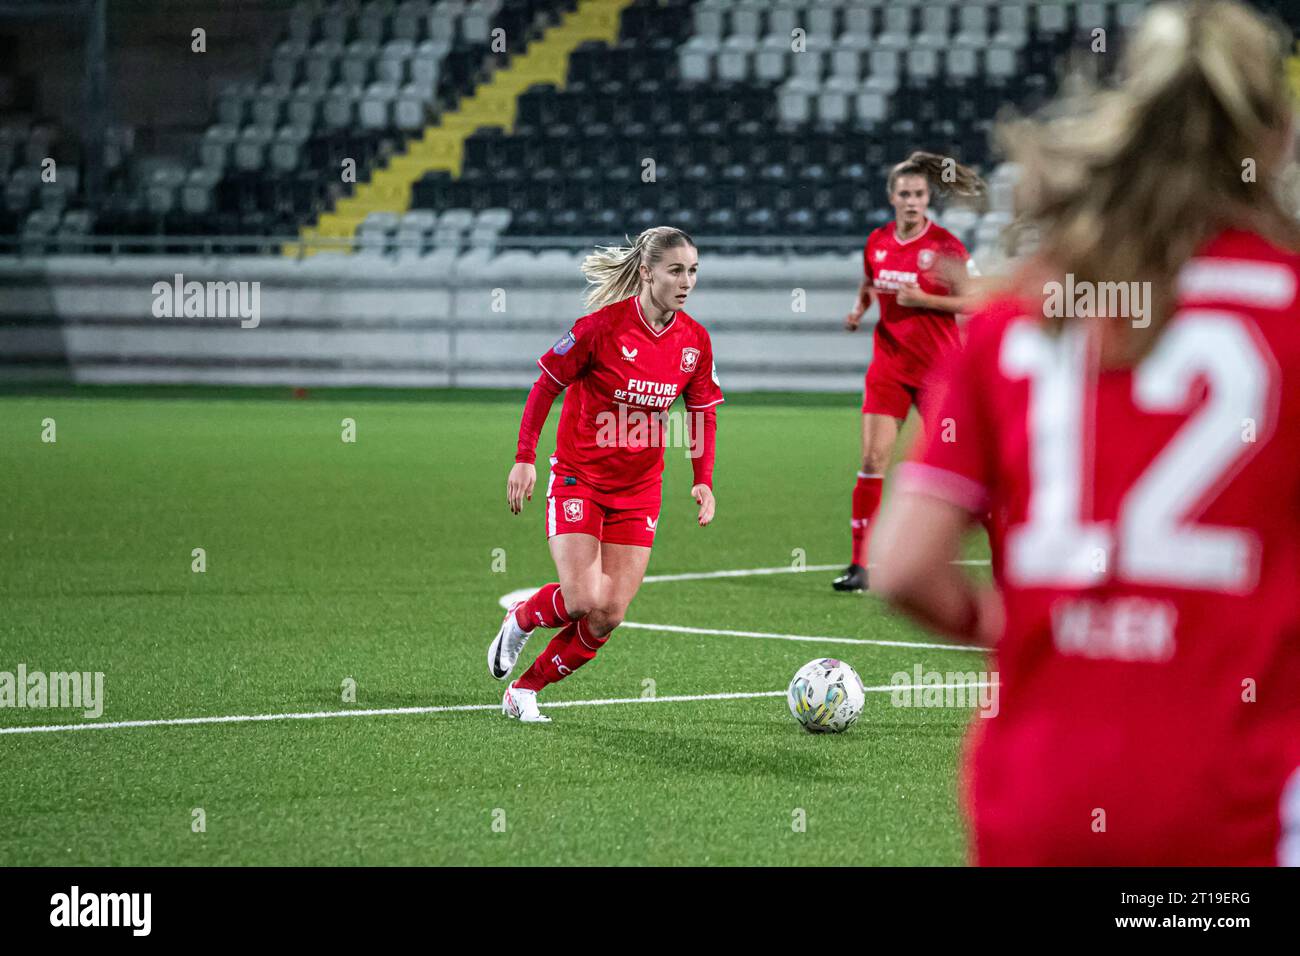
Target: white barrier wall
x,y
440,320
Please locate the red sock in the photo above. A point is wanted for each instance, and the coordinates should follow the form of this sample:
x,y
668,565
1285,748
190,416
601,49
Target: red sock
x,y
544,609
568,651
866,500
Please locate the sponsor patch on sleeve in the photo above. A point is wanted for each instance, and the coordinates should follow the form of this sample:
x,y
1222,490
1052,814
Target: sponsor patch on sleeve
x,y
567,341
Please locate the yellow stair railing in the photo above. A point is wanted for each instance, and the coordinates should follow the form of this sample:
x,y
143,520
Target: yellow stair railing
x,y
442,144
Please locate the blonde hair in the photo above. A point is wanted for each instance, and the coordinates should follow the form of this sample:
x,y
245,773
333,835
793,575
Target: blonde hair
x,y
613,272
943,173
1124,184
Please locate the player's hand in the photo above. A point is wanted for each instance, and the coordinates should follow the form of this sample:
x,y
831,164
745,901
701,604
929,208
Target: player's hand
x,y
910,296
853,320
703,496
519,485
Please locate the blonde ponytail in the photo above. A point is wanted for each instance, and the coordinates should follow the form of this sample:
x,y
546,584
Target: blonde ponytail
x,y
614,272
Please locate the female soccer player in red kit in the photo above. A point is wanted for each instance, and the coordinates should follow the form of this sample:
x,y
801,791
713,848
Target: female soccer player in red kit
x,y
1147,462
902,265
623,364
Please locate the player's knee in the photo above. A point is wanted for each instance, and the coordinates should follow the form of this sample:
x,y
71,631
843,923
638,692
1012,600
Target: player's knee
x,y
578,606
601,621
875,461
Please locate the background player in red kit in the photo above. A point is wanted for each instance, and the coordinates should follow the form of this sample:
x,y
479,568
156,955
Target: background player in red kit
x,y
624,364
902,264
1148,638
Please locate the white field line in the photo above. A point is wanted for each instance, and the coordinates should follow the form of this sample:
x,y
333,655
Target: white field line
x,y
808,638
524,593
747,572
457,708
521,594
506,601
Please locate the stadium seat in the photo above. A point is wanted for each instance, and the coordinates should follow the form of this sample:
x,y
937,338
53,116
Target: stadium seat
x,y
374,110
1000,62
250,148
476,24
339,107
846,62
1090,16
825,21
321,61
732,64
197,191
961,64
410,110
303,107
268,105
335,22
231,102
286,148
358,57
390,66
372,22
1013,26
935,27
695,60
856,23
287,62
426,65
1052,18
972,27
896,29
771,60
215,148
746,22
809,64
794,100
408,20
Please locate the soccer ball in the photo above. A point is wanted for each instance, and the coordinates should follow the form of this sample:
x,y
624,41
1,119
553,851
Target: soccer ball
x,y
826,696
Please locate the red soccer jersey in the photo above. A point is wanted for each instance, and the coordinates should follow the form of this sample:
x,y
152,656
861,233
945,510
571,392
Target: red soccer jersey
x,y
1150,668
618,368
910,340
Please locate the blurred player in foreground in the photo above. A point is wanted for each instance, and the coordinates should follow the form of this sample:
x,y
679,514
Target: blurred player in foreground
x,y
1147,460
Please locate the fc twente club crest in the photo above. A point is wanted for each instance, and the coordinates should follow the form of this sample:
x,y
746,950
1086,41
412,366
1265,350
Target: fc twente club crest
x,y
690,357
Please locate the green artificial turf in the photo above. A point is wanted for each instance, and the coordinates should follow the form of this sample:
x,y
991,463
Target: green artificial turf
x,y
379,561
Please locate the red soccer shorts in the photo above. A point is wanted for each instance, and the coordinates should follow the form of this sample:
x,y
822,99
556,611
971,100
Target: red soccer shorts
x,y
574,508
884,393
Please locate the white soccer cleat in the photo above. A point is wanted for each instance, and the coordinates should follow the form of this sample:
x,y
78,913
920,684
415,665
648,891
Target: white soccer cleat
x,y
506,647
521,705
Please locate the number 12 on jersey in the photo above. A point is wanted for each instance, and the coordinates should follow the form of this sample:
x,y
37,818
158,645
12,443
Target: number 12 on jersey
x,y
1152,540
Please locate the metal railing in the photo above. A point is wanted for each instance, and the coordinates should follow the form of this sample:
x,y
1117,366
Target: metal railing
x,y
39,246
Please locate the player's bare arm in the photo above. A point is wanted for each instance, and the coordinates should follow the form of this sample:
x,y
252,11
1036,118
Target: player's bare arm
x,y
913,297
866,298
922,536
